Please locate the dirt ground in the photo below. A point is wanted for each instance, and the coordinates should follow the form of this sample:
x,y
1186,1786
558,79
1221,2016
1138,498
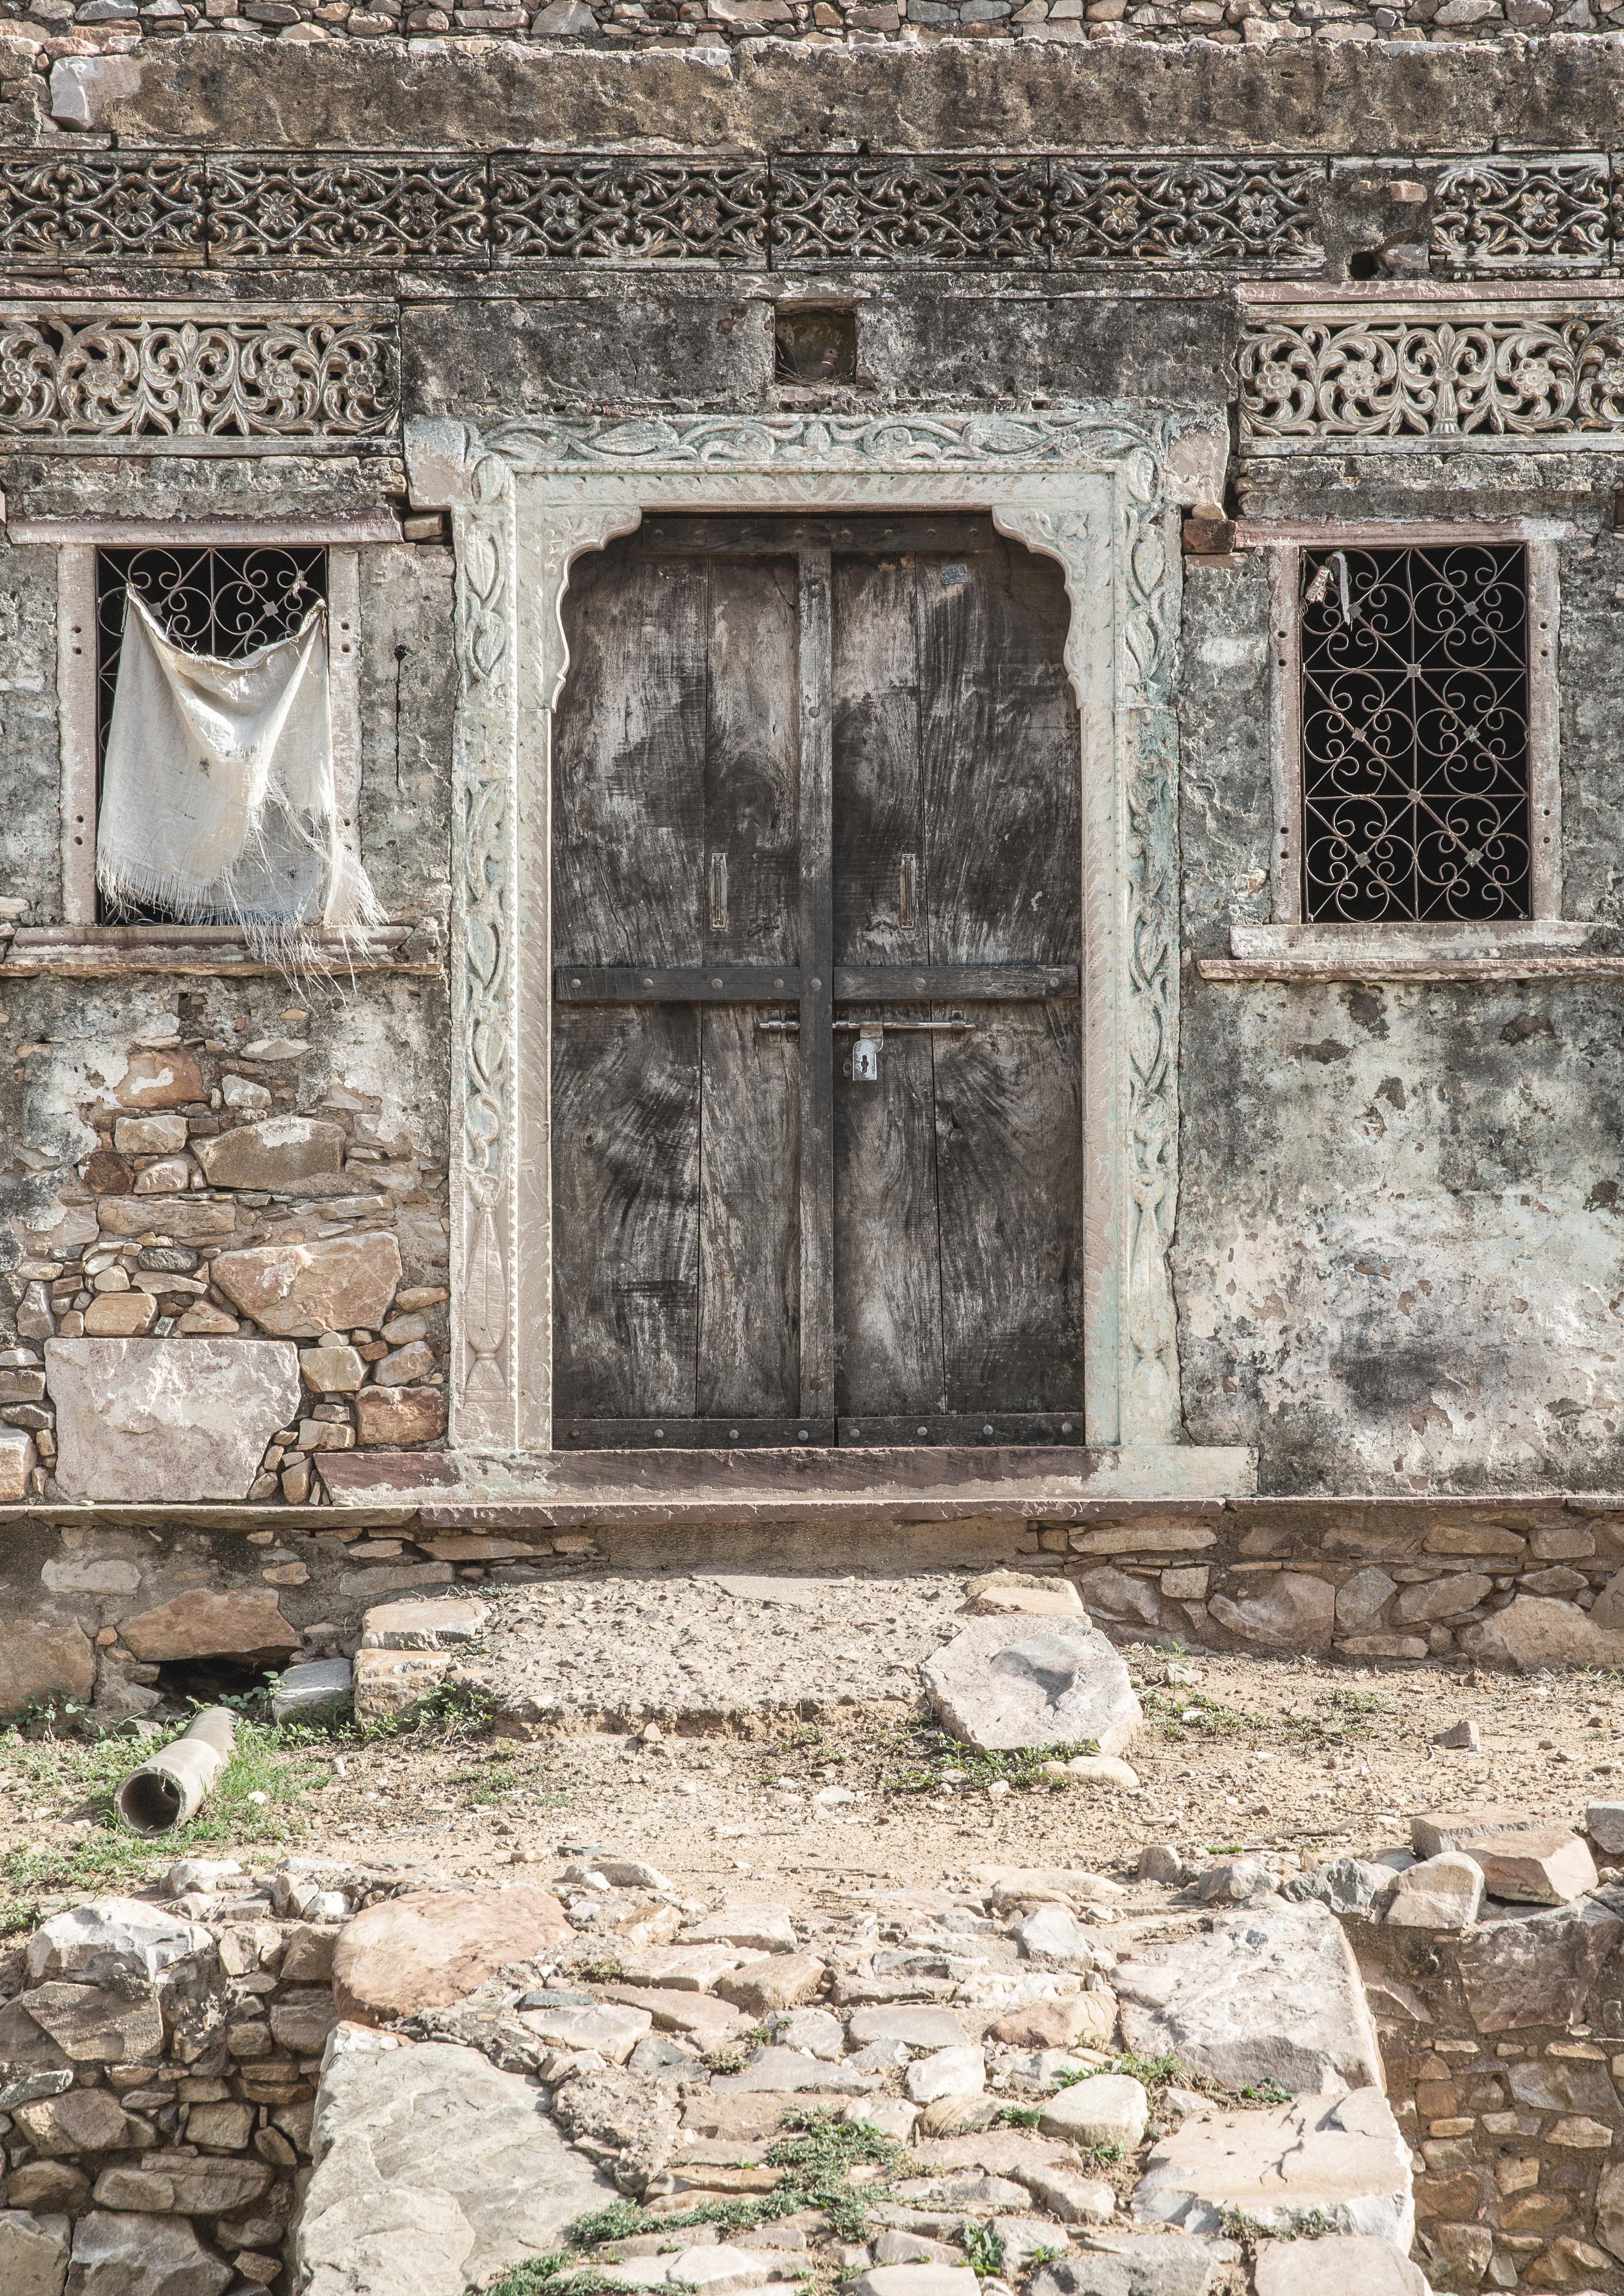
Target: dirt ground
x,y
1234,1752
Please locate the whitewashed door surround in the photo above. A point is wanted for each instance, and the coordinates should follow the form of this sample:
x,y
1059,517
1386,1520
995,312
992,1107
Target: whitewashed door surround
x,y
1096,487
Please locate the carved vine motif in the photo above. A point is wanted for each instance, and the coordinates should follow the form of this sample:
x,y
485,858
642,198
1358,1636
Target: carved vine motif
x,y
124,375
817,442
1419,376
1174,211
981,210
96,204
340,210
627,210
1523,216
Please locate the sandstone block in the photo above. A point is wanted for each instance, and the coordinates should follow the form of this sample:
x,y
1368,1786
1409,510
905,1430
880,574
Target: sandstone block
x,y
1271,1992
170,1079
913,2028
1109,2109
1017,1593
385,1682
155,1419
275,1153
1090,2018
1604,1824
304,1693
778,2073
429,1626
33,2253
1346,2264
1360,1602
1609,2211
1434,1830
767,1927
1073,2198
408,1366
1477,1539
430,1948
1324,2157
395,1418
675,2010
1140,2263
776,1980
115,2254
1441,1893
247,1621
17,1461
39,1659
1289,1611
1539,1971
120,1315
331,1369
1125,1602
302,1291
1544,1866
1005,1682
1348,1885
915,2280
113,1941
814,2031
80,2120
94,2026
1442,1598
947,2073
163,1135
1536,1631
165,2185
181,1219
610,2028
220,2127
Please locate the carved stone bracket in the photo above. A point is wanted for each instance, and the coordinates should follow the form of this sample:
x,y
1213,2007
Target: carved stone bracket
x,y
1096,487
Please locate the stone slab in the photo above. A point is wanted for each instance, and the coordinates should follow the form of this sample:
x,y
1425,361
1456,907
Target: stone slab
x,y
300,1290
200,1624
181,1420
431,1947
1326,2158
1269,1993
1139,2264
1346,2264
1009,1682
33,2252
118,2254
432,2172
1538,1970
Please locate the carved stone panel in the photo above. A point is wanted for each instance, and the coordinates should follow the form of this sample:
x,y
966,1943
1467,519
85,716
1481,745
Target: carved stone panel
x,y
1522,217
1477,374
618,210
275,207
934,211
97,206
1187,211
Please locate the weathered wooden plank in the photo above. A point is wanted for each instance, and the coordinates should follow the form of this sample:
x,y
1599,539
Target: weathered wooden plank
x,y
628,764
1008,1157
749,1286
968,1431
877,818
735,1434
887,1272
677,984
998,749
745,537
815,1047
751,762
964,984
625,1152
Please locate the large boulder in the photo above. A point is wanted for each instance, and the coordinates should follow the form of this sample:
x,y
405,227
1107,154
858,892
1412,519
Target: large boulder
x,y
431,1947
1271,1993
433,2171
179,1420
300,1290
1019,1681
1338,2160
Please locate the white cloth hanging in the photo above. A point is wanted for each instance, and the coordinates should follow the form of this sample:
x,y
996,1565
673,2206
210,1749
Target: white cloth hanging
x,y
219,801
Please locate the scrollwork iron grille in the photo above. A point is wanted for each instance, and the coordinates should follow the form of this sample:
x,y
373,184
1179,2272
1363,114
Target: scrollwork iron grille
x,y
224,602
1414,734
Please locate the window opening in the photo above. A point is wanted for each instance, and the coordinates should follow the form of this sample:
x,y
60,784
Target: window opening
x,y
219,601
814,345
1415,713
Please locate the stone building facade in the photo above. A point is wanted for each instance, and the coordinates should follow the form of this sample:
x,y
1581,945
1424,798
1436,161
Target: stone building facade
x,y
467,319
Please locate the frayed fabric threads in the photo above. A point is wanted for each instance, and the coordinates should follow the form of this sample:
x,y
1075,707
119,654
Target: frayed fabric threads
x,y
218,800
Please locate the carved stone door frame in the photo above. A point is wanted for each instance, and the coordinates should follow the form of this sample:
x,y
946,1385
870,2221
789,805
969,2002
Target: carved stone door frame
x,y
1096,487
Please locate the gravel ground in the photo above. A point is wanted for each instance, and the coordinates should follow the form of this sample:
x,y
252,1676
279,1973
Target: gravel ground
x,y
1234,1750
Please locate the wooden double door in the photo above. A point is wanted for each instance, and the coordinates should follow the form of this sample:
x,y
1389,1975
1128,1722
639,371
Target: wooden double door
x,y
816,1050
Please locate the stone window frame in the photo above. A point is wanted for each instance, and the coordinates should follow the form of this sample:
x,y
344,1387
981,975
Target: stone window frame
x,y
1287,947
77,542
1094,484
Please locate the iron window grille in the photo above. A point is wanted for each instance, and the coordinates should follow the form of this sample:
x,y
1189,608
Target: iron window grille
x,y
219,601
1414,734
